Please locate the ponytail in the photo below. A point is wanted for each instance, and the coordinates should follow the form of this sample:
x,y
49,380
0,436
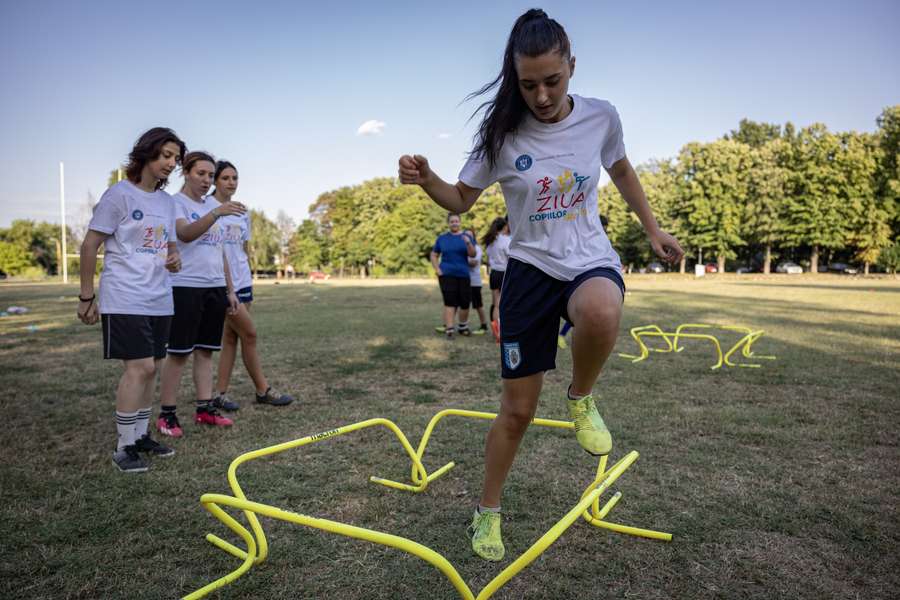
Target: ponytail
x,y
533,34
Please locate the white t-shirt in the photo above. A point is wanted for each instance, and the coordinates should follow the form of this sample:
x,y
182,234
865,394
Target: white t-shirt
x,y
498,253
201,260
140,226
237,231
548,173
475,271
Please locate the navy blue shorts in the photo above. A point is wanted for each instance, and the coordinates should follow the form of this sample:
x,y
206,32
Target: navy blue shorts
x,y
245,295
531,303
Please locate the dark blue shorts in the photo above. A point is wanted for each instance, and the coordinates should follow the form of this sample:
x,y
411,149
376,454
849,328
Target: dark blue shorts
x,y
531,304
245,295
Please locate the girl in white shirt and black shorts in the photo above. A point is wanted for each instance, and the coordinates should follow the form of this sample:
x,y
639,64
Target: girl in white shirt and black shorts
x,y
202,293
496,243
135,220
546,148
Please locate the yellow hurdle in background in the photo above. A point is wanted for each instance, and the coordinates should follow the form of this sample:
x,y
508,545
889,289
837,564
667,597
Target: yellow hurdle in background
x,y
671,339
256,547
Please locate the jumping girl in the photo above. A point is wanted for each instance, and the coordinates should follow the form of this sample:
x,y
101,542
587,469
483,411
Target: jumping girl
x,y
545,147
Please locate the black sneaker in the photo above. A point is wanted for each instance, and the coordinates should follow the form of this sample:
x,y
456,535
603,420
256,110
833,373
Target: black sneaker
x,y
449,333
129,461
274,398
152,447
223,402
465,331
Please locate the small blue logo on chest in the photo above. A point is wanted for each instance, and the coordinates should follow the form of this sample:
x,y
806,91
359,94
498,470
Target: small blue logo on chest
x,y
137,215
195,216
523,163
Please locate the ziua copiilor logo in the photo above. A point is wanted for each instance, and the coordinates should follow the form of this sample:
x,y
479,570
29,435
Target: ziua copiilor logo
x,y
153,239
561,197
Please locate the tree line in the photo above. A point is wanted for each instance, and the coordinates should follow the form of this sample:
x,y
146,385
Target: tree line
x,y
762,193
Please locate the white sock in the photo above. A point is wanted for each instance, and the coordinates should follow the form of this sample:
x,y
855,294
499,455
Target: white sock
x,y
125,426
463,325
484,509
140,426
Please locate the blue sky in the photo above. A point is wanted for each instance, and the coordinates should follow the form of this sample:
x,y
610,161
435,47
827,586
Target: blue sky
x,y
281,88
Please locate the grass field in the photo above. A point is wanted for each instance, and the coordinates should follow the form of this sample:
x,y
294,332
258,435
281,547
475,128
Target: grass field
x,y
777,482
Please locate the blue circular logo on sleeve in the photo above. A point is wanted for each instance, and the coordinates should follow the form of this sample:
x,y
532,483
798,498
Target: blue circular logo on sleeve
x,y
195,216
137,215
523,163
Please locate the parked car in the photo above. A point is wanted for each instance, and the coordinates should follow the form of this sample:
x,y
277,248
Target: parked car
x,y
840,267
742,270
711,268
789,268
655,267
318,276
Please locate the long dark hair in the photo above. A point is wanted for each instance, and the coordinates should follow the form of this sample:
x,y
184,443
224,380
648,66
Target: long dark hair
x,y
533,34
148,148
493,231
221,166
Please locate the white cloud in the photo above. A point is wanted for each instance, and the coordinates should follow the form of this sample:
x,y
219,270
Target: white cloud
x,y
445,136
371,127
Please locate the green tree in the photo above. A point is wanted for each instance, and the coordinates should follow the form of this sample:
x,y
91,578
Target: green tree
x,y
264,242
712,194
888,177
816,214
766,181
307,249
41,240
889,259
870,229
754,134
14,259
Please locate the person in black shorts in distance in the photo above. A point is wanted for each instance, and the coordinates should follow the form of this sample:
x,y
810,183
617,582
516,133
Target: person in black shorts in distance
x,y
450,259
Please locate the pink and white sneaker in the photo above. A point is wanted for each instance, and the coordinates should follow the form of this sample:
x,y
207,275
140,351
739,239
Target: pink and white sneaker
x,y
211,416
168,424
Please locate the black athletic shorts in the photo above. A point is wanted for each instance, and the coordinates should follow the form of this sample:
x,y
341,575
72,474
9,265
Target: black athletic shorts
x,y
199,319
531,303
131,337
476,296
497,279
457,291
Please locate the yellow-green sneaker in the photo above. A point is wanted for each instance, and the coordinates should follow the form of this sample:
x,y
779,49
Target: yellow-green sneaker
x,y
590,430
486,540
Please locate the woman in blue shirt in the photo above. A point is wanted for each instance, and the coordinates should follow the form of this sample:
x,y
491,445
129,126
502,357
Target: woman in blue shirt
x,y
450,258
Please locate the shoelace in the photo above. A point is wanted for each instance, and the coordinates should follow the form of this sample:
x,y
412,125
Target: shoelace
x,y
485,524
582,421
171,419
132,452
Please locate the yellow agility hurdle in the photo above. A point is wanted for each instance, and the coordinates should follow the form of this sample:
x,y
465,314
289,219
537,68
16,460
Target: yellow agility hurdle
x,y
256,546
671,339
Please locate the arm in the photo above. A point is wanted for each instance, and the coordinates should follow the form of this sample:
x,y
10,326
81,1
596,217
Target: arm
x,y
88,311
173,258
229,287
435,262
470,247
628,184
188,232
457,198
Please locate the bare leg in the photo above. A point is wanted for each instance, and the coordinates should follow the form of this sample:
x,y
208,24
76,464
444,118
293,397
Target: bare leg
x,y
132,390
595,309
242,324
495,314
480,310
203,383
170,378
463,315
227,355
449,315
518,403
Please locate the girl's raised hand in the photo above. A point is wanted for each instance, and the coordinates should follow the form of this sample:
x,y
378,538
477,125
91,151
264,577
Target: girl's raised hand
x,y
414,169
229,208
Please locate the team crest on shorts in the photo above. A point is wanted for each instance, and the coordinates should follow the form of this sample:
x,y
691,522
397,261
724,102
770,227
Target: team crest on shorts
x,y
512,355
